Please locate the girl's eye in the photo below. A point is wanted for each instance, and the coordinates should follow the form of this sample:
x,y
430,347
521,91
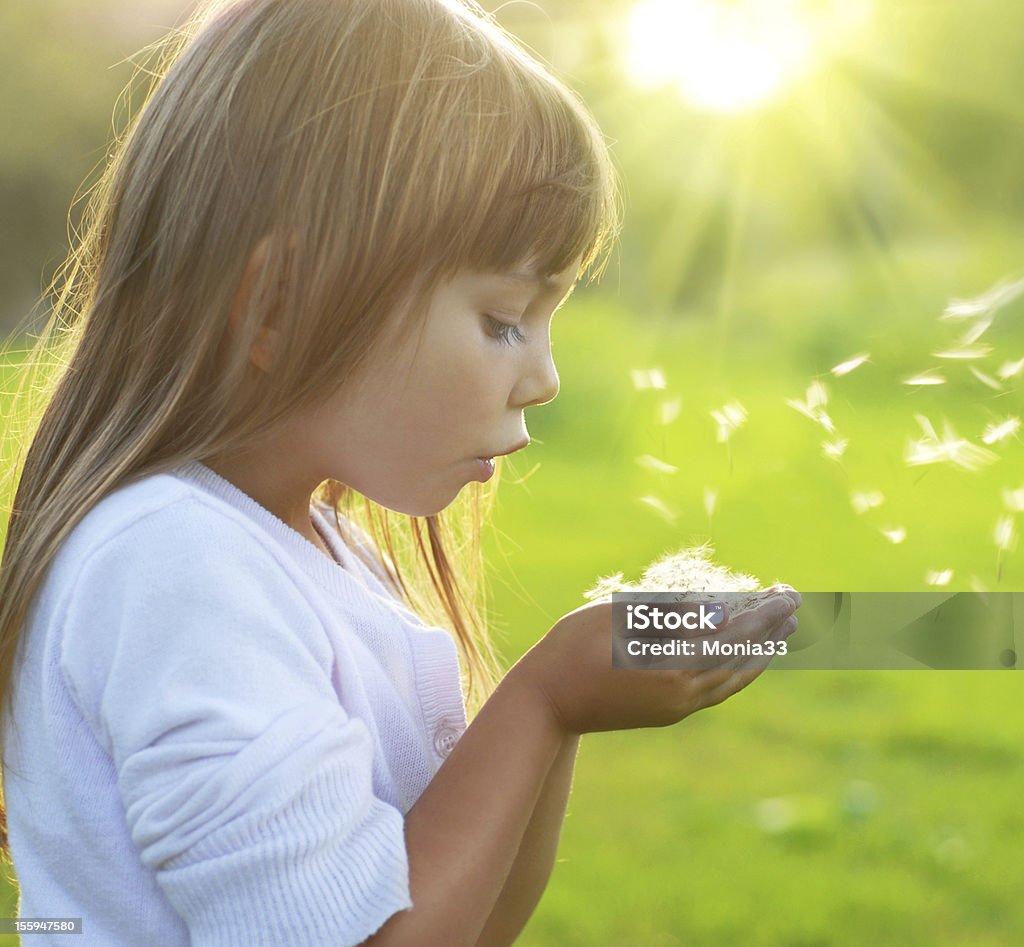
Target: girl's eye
x,y
504,332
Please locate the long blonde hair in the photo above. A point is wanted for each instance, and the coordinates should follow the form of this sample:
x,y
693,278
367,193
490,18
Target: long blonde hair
x,y
393,142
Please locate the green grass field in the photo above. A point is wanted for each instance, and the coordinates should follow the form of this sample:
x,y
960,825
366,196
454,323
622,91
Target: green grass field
x,y
815,808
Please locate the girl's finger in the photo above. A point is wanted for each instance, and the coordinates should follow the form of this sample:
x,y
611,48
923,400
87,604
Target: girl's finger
x,y
735,682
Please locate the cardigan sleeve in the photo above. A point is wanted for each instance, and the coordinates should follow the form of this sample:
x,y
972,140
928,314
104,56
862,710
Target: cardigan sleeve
x,y
206,676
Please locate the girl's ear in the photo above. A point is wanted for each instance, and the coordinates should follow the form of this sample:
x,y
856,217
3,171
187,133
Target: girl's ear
x,y
263,352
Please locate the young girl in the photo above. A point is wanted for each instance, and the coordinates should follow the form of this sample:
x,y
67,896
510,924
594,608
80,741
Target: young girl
x,y
312,302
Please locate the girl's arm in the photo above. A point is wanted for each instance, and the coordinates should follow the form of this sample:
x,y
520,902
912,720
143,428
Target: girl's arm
x,y
464,833
536,858
466,829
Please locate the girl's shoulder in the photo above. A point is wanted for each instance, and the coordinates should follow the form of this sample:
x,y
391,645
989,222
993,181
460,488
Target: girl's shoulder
x,y
161,516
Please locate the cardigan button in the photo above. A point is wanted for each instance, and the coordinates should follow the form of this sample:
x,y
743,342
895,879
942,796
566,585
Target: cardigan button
x,y
445,738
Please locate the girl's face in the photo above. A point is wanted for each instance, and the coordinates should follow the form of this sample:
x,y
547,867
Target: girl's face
x,y
411,429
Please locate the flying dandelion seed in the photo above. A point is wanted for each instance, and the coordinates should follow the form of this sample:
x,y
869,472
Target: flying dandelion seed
x,y
976,331
729,417
1001,431
644,379
1013,500
938,578
833,450
844,368
655,465
977,585
895,535
668,410
660,508
1011,369
1005,534
710,499
950,448
926,378
985,379
977,350
866,500
817,394
813,405
989,302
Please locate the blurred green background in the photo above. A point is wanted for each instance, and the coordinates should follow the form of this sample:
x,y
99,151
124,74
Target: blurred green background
x,y
806,183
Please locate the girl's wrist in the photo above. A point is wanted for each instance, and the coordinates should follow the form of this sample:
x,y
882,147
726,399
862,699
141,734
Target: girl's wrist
x,y
531,689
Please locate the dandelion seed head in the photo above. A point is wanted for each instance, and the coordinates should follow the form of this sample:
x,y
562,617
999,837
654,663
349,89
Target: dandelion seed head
x,y
938,577
1001,430
694,575
865,500
895,535
648,462
844,368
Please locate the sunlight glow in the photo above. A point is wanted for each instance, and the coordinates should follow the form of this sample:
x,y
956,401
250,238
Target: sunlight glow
x,y
733,55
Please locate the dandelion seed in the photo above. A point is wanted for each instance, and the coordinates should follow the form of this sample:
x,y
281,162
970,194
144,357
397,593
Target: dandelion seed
x,y
926,378
710,500
985,379
976,331
817,394
1005,534
1001,431
668,410
896,535
950,448
1011,369
813,405
977,585
938,578
655,465
1013,500
844,368
977,350
660,508
647,378
866,500
729,418
833,450
989,302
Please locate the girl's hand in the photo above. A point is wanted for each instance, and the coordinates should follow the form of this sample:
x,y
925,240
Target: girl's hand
x,y
571,669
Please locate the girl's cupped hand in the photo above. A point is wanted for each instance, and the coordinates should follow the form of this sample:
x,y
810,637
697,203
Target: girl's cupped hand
x,y
571,669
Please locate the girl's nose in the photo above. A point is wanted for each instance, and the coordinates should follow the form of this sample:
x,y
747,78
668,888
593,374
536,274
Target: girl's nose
x,y
541,384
